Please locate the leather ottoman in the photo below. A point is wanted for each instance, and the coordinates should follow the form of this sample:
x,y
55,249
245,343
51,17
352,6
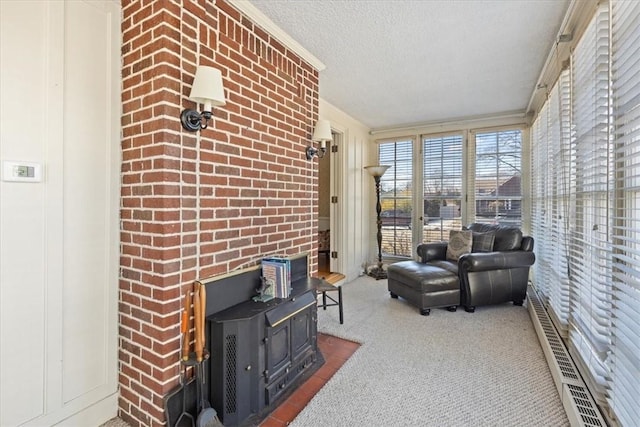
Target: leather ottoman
x,y
424,286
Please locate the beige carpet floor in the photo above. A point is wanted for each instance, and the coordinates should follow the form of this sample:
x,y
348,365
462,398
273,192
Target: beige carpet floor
x,y
446,369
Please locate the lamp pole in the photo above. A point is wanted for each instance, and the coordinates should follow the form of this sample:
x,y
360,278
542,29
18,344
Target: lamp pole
x,y
377,172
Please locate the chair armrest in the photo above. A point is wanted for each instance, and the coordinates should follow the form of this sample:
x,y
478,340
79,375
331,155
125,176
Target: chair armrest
x,y
527,243
432,251
484,261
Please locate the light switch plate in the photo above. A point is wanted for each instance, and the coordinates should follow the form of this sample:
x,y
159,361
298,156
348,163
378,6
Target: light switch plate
x,y
17,171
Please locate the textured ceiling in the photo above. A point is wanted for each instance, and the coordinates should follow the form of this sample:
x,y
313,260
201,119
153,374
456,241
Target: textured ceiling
x,y
399,62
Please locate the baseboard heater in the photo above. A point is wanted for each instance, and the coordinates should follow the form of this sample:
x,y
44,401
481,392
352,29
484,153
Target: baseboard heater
x,y
578,403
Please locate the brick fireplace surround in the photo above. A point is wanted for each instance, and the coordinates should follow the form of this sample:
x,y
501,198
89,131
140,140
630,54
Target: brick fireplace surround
x,y
197,205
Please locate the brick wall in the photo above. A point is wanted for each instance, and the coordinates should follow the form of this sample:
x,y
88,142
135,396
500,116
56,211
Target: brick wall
x,y
196,205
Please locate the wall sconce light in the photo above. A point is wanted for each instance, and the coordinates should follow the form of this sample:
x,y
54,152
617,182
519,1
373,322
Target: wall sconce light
x,y
207,89
321,134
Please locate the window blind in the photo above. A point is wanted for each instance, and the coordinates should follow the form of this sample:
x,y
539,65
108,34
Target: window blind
x,y
590,250
624,393
396,195
552,168
442,181
540,198
563,171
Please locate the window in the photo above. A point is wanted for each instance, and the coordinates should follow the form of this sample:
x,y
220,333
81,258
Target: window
x,y
553,164
624,392
586,198
589,245
444,174
442,192
540,198
396,197
498,192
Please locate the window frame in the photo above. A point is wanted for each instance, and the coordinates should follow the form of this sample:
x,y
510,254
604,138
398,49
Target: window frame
x,y
473,178
467,210
420,205
396,229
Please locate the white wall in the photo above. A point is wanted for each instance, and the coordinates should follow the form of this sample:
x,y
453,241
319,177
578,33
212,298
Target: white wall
x,y
59,245
352,220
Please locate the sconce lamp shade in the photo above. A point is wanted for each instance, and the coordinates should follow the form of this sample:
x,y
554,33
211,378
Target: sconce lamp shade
x,y
207,87
322,132
377,171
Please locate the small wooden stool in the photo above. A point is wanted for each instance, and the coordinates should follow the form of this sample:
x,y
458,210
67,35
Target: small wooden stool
x,y
324,287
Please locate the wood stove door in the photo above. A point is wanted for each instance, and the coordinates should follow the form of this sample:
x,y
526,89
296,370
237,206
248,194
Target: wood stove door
x,y
278,350
280,323
303,333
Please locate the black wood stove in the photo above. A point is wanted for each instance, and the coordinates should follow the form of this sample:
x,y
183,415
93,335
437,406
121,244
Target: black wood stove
x,y
259,351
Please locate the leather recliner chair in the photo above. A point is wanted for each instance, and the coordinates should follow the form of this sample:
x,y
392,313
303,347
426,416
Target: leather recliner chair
x,y
499,275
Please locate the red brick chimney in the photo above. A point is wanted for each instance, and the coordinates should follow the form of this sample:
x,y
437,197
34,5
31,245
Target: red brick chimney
x,y
194,205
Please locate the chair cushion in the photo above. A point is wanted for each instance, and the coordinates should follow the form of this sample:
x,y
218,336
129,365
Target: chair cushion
x,y
506,238
449,265
483,242
424,278
460,242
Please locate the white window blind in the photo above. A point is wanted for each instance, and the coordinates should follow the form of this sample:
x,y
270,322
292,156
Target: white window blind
x,y
498,191
540,199
442,192
590,249
396,196
552,169
560,170
603,227
563,170
624,393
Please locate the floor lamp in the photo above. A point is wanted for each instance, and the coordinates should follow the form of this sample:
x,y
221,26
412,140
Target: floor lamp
x,y
376,172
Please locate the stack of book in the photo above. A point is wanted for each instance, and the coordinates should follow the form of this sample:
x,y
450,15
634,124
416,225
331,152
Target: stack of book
x,y
276,273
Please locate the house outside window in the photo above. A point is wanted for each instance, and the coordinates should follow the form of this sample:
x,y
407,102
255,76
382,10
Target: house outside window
x,y
498,173
442,186
396,197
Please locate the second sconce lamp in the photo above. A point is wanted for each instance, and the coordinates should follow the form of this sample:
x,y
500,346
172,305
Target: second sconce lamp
x,y
321,134
207,89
